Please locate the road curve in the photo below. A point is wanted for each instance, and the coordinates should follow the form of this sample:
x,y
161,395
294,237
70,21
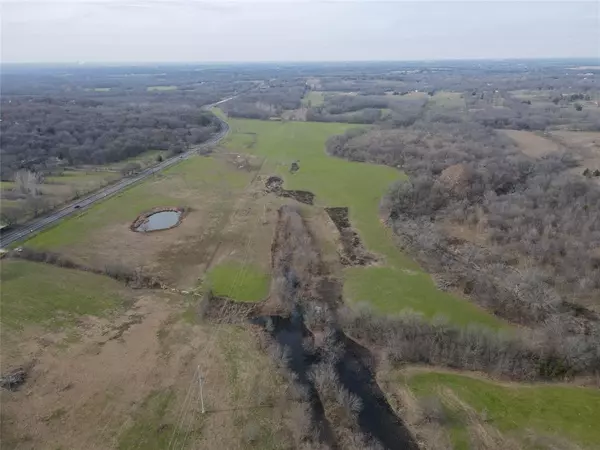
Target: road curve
x,y
40,223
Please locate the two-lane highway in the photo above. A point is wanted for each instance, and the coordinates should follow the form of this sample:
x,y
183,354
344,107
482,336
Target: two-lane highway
x,y
38,224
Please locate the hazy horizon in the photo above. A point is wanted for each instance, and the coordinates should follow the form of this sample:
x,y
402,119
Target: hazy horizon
x,y
189,31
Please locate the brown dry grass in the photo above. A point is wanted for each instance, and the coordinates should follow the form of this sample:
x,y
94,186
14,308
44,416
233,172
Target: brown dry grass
x,y
531,144
295,114
429,435
585,146
94,393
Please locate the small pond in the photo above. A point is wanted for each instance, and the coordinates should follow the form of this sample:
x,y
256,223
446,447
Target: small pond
x,y
159,221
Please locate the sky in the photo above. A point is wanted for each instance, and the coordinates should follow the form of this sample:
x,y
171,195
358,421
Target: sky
x,y
294,30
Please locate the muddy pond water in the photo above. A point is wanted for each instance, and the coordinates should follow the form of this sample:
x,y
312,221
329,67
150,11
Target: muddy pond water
x,y
355,374
159,221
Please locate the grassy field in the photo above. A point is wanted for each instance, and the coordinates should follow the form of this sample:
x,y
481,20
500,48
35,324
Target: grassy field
x,y
560,411
145,159
34,293
80,179
315,98
226,226
57,190
75,229
589,140
395,284
447,100
196,173
531,144
243,282
240,404
584,144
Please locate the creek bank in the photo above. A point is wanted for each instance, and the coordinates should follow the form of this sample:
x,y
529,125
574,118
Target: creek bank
x,y
305,299
352,251
274,184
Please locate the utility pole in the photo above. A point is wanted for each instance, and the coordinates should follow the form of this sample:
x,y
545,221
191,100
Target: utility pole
x,y
201,394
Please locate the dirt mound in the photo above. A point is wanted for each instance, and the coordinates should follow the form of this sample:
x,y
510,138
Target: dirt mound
x,y
294,259
274,184
339,216
224,310
352,251
14,379
305,197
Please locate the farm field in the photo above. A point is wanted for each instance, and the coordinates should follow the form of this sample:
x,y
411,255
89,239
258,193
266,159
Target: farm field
x,y
588,139
217,225
583,144
469,410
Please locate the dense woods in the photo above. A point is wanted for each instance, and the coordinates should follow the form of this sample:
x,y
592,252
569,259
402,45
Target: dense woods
x,y
87,121
93,132
534,228
547,353
270,99
103,114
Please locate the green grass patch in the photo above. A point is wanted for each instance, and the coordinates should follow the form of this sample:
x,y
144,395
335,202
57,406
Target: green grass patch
x,y
392,288
7,184
162,88
82,178
9,203
447,100
386,112
571,412
242,282
398,283
313,99
36,293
